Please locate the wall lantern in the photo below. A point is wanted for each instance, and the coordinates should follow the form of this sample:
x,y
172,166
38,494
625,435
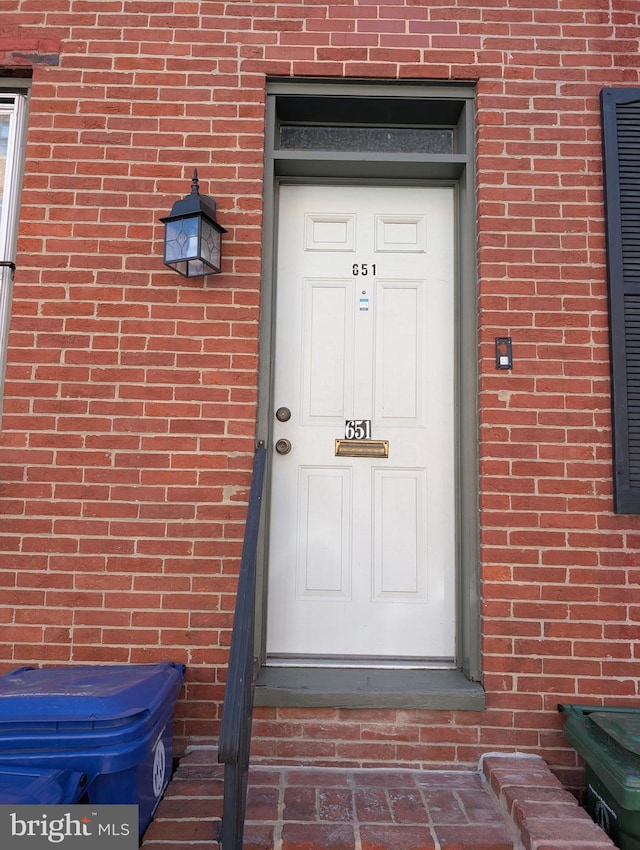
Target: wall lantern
x,y
192,236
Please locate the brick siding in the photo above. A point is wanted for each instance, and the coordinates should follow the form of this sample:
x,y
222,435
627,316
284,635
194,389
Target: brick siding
x,y
131,394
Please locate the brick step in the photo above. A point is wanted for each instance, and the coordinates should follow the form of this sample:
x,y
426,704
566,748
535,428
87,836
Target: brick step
x,y
308,809
545,815
513,803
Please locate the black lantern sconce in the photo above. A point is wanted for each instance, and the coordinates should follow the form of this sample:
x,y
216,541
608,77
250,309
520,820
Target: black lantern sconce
x,y
192,236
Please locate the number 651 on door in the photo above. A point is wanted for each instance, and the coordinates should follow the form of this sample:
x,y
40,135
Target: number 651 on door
x,y
357,429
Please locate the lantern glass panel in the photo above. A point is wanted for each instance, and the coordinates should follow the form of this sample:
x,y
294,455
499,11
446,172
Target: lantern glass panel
x,y
211,242
181,239
195,268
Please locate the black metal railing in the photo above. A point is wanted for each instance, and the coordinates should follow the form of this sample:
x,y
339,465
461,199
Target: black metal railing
x,y
237,710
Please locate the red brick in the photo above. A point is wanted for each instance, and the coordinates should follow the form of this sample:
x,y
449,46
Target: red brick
x,y
128,391
311,836
388,837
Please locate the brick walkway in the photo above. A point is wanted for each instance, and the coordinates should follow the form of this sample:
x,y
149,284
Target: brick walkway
x,y
517,804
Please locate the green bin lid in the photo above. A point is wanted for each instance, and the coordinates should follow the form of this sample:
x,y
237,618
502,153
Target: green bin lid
x,y
622,727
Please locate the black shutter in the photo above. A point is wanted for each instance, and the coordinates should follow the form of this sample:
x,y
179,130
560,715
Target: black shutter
x,y
621,146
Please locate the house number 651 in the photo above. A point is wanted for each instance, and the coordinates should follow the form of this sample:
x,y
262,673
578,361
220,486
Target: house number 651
x,y
357,429
363,269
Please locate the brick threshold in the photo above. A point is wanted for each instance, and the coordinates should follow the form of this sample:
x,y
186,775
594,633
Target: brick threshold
x,y
513,802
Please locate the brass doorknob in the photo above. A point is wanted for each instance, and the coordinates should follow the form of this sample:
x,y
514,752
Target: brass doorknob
x,y
283,447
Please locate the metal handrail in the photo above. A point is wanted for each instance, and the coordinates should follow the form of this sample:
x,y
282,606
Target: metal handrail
x,y
237,710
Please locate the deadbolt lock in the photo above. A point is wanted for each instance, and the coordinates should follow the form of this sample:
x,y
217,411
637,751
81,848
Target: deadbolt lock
x,y
283,414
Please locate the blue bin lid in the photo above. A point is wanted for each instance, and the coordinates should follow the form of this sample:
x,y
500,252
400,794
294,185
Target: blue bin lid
x,y
30,786
101,693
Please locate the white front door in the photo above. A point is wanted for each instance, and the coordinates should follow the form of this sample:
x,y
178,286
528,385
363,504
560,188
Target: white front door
x,y
362,549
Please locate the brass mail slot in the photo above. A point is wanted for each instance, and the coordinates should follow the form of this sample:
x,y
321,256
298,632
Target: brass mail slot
x,y
362,448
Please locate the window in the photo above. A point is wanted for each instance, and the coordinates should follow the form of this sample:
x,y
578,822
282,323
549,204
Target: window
x,y
13,111
374,139
621,148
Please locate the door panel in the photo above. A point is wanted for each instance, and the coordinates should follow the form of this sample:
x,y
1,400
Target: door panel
x,y
326,341
399,562
362,549
324,515
399,339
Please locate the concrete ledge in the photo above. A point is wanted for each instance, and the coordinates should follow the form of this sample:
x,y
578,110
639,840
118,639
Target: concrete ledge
x,y
543,814
368,688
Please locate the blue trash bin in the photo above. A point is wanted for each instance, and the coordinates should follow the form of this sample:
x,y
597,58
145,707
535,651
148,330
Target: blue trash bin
x,y
113,723
26,786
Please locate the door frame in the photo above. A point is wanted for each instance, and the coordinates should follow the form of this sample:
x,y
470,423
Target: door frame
x,y
379,104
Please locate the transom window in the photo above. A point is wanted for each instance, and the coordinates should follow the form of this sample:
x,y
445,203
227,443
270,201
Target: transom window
x,y
373,139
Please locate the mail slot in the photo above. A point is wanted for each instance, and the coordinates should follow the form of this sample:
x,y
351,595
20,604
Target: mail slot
x,y
362,448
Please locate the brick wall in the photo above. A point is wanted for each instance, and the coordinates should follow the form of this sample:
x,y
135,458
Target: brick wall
x,y
131,394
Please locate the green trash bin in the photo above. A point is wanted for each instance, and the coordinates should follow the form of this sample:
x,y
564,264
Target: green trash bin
x,y
608,739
